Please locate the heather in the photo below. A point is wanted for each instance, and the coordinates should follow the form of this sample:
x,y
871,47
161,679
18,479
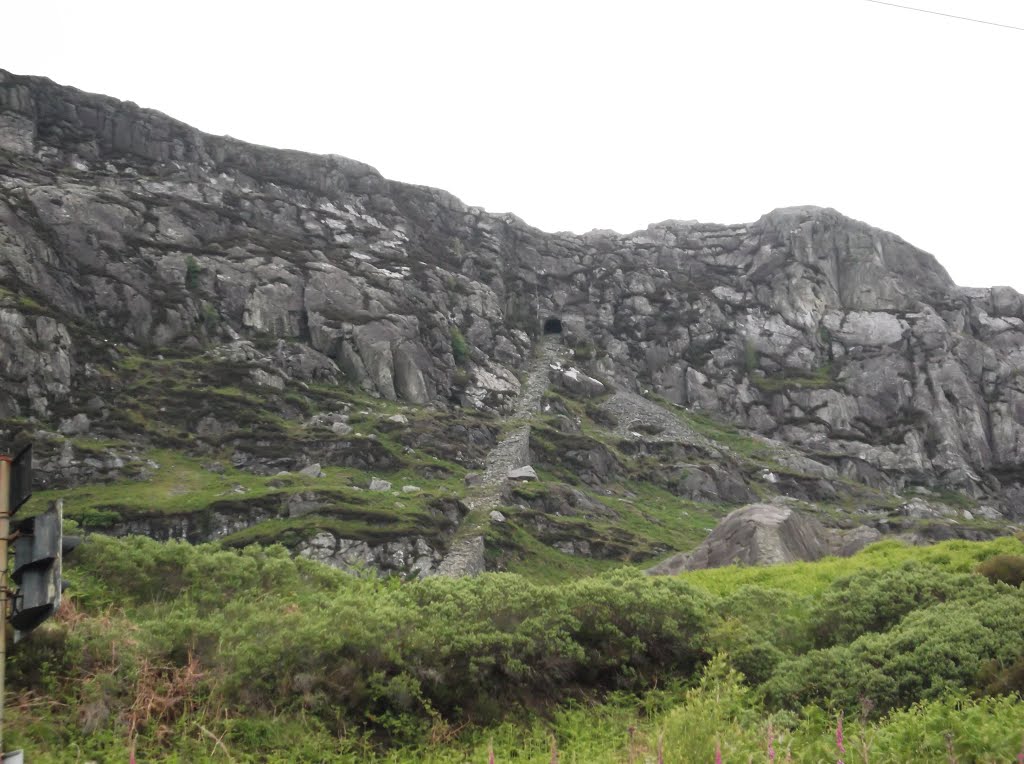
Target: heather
x,y
196,653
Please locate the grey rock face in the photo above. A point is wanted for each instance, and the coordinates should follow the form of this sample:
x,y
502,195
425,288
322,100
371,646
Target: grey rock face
x,y
35,360
465,558
406,556
821,332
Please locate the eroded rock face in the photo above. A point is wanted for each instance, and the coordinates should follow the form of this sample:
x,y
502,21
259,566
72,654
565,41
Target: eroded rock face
x,y
804,325
413,556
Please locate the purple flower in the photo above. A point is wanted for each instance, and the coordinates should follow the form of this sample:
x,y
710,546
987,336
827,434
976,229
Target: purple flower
x,y
839,735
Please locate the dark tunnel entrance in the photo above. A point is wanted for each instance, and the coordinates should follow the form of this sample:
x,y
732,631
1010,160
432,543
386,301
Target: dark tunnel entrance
x,y
553,326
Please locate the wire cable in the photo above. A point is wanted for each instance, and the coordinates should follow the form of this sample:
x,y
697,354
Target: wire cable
x,y
947,15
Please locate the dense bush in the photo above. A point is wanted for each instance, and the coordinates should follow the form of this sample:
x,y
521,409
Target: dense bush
x,y
757,628
931,652
1008,568
283,633
874,601
179,646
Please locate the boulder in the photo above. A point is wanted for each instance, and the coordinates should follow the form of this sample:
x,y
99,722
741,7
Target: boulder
x,y
575,382
523,474
757,534
76,425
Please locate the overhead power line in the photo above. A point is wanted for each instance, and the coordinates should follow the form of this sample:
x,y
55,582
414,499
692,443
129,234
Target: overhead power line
x,y
947,15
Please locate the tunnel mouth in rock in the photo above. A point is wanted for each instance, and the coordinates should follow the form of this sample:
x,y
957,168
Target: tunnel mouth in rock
x,y
553,325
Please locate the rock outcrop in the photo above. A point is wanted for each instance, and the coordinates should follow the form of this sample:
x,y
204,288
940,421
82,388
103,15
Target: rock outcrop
x,y
847,350
765,534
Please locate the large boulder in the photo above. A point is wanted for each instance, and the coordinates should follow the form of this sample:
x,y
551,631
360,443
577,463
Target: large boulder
x,y
757,534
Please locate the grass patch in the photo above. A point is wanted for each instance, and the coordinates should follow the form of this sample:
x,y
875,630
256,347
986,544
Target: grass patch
x,y
821,378
812,578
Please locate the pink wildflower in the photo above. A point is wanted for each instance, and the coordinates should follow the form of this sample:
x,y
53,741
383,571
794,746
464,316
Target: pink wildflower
x,y
490,753
839,737
718,753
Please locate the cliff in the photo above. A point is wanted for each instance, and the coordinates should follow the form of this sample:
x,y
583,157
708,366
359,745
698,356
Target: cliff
x,y
247,307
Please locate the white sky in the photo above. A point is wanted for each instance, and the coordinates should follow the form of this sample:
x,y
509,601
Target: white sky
x,y
599,114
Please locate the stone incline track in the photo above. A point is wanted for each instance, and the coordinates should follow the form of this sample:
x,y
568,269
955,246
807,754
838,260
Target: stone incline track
x,y
466,555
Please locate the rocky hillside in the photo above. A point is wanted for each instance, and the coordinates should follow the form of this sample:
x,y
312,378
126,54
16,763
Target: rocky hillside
x,y
214,340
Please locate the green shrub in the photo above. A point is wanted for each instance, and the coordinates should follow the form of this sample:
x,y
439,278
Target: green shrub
x,y
1008,568
751,358
634,629
584,351
285,659
997,678
460,349
759,627
932,651
209,316
874,601
192,272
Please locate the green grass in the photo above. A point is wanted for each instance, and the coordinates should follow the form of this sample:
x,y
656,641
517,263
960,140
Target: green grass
x,y
820,378
811,578
182,485
21,302
656,514
719,432
179,484
517,550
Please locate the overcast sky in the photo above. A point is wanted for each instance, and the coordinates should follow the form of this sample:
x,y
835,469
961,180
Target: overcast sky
x,y
600,115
